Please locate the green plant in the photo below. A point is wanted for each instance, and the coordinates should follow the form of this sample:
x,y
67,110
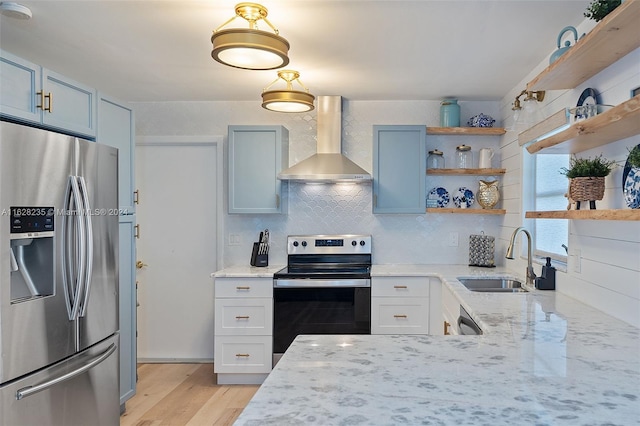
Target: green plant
x,y
634,156
598,9
586,167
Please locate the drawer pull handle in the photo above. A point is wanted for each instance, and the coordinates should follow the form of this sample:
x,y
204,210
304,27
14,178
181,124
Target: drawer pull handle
x,y
399,286
399,316
242,355
239,317
243,288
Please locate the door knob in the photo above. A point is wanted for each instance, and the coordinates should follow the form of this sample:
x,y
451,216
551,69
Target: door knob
x,y
140,264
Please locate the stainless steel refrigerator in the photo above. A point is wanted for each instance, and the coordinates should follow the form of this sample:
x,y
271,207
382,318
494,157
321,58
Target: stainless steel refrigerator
x,y
58,279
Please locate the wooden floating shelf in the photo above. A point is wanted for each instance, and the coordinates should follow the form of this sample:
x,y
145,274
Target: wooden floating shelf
x,y
615,36
620,122
465,172
466,131
466,211
631,214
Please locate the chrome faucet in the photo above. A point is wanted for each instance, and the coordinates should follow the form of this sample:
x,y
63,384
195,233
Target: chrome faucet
x,y
531,276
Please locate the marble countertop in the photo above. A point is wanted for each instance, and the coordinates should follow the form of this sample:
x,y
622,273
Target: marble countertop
x,y
247,271
544,359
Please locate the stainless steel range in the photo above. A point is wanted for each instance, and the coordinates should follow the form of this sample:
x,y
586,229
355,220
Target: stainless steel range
x,y
325,288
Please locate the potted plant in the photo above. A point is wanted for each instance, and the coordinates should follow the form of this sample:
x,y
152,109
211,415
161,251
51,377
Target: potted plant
x,y
586,179
598,9
631,179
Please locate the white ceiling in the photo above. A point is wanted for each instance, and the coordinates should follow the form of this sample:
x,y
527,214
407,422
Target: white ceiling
x,y
150,50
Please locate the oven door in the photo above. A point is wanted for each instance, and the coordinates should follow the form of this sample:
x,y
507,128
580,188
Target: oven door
x,y
319,307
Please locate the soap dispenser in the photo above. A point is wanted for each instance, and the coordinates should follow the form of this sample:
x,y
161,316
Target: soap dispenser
x,y
547,280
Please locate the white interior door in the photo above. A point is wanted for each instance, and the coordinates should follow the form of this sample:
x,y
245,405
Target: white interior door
x,y
179,182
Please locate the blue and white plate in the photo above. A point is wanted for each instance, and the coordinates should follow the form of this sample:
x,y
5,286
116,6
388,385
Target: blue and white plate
x,y
631,188
463,196
440,195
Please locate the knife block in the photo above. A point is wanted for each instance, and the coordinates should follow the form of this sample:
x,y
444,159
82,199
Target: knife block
x,y
258,259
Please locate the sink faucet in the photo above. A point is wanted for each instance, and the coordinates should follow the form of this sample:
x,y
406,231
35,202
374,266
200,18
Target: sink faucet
x,y
531,276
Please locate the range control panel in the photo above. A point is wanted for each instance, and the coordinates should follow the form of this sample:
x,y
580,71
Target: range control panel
x,y
329,244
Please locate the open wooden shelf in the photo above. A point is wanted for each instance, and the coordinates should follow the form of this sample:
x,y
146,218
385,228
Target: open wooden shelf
x,y
466,211
586,214
620,122
466,131
615,36
466,172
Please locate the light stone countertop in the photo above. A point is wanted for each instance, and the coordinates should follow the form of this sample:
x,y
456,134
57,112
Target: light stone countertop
x,y
545,359
248,271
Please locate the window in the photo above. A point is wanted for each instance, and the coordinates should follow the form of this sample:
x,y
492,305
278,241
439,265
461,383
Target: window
x,y
548,187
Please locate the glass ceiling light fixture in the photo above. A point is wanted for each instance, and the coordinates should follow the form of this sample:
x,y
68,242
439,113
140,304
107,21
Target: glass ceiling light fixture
x,y
15,10
250,48
287,100
528,112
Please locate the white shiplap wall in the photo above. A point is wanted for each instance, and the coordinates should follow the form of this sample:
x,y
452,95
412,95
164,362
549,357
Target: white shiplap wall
x,y
604,256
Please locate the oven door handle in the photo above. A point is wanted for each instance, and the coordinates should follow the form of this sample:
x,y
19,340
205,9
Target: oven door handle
x,y
315,283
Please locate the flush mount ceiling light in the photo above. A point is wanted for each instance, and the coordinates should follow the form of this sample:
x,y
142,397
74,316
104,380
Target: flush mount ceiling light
x,y
250,48
15,10
287,100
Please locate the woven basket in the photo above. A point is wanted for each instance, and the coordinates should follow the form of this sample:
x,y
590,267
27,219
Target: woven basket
x,y
586,188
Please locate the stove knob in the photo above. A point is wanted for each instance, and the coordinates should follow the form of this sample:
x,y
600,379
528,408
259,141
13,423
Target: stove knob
x,y
304,244
354,243
295,244
362,242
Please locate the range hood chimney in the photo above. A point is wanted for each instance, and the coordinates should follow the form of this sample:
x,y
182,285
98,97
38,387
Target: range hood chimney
x,y
328,164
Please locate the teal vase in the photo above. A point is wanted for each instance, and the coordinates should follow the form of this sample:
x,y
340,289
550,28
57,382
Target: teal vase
x,y
449,113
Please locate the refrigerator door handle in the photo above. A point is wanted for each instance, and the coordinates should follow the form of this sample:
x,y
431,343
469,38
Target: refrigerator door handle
x,y
88,246
30,390
72,226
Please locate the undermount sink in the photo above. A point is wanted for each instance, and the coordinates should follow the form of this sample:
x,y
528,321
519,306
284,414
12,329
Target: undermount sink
x,y
493,285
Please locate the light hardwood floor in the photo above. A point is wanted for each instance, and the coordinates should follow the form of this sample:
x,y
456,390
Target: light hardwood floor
x,y
184,394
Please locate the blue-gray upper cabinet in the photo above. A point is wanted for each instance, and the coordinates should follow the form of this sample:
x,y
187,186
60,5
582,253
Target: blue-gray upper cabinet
x,y
116,127
36,95
256,155
399,164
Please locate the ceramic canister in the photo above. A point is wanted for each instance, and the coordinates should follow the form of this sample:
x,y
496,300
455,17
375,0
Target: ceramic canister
x,y
449,113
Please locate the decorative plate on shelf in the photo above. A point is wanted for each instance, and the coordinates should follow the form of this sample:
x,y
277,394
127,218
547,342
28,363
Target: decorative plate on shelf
x,y
588,97
463,196
631,184
440,195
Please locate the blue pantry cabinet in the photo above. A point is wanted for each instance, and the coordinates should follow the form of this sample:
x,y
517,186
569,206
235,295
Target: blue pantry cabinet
x,y
256,155
38,96
399,169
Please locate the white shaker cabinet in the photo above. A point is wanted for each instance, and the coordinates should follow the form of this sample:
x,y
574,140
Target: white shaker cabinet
x,y
399,164
36,95
256,155
243,329
400,305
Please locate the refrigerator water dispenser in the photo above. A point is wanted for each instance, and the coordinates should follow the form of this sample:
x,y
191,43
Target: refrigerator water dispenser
x,y
31,253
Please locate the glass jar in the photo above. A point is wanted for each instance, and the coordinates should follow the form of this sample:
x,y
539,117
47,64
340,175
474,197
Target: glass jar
x,y
435,160
464,157
449,113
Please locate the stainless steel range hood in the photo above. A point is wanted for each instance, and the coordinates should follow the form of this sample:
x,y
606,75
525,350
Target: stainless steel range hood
x,y
328,164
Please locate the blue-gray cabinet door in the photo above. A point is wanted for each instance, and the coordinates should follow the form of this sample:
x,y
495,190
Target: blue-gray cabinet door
x,y
116,128
399,169
20,82
256,156
128,302
71,106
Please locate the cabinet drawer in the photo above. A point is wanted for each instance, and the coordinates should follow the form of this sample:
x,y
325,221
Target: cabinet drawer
x,y
391,315
243,354
400,287
243,287
244,316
